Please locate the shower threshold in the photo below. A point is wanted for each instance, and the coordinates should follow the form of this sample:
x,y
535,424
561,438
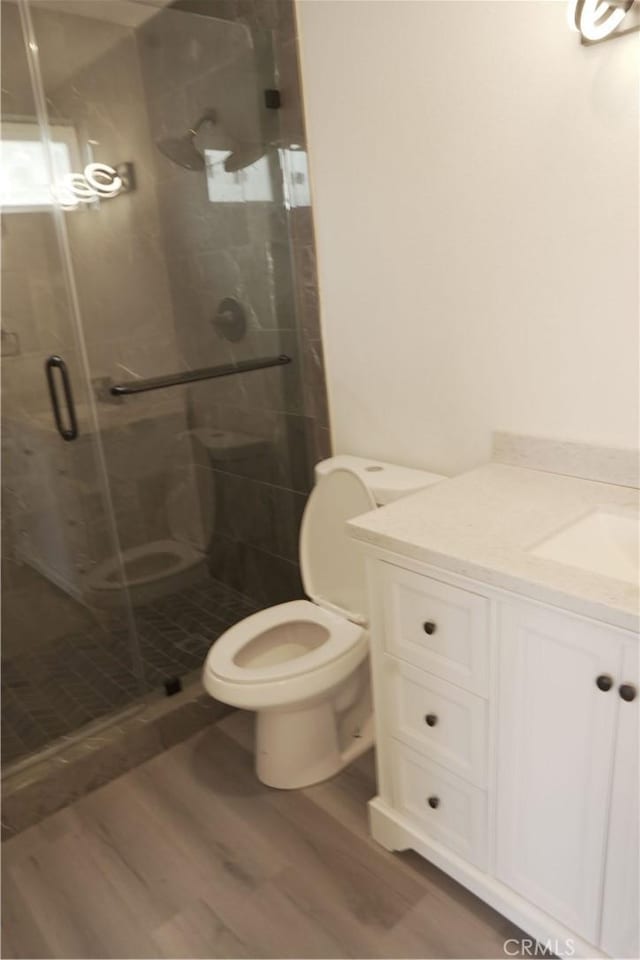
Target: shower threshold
x,y
39,785
88,732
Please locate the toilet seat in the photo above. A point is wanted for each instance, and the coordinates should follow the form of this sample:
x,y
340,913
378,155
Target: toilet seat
x,y
150,571
293,678
292,652
341,636
333,572
175,555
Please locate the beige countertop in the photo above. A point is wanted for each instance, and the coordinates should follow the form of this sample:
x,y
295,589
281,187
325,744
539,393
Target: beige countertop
x,y
482,525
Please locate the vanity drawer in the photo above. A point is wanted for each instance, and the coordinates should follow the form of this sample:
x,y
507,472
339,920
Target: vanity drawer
x,y
441,806
437,627
442,721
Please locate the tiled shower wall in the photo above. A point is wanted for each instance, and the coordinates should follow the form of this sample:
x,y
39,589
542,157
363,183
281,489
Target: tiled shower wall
x,y
260,253
152,266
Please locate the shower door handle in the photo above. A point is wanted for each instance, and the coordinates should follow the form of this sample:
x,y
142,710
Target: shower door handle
x,y
71,431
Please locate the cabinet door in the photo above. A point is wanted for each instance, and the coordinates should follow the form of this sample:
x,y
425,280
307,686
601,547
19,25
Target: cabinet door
x,y
622,894
556,732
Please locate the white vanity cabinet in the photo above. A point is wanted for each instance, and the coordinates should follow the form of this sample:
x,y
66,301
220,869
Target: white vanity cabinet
x,y
556,753
621,906
507,752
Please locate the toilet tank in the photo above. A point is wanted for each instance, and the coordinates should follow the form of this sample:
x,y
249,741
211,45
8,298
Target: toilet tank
x,y
386,481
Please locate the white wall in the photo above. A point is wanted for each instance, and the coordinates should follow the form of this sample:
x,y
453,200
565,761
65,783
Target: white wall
x,y
475,185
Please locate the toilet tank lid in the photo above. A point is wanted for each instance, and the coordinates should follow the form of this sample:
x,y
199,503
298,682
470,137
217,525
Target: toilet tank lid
x,y
386,481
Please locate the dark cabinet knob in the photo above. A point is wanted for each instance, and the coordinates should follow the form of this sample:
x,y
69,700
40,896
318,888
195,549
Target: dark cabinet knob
x,y
434,802
429,627
431,719
604,682
627,691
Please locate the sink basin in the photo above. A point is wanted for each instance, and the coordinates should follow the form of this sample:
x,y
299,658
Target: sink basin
x,y
604,541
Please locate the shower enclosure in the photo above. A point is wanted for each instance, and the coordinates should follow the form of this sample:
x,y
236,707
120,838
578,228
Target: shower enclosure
x,y
162,385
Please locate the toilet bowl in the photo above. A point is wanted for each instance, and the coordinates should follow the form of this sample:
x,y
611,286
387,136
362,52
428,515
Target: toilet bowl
x,y
168,564
303,666
150,571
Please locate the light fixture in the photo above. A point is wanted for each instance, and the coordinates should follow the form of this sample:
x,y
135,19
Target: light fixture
x,y
98,181
102,179
597,19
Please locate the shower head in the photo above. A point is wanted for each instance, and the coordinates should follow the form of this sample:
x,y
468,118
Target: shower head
x,y
186,152
183,150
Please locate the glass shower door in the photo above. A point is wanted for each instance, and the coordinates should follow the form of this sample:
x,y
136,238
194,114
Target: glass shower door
x,y
182,264
180,169
66,662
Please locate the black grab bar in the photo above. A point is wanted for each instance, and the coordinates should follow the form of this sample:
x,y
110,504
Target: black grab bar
x,y
191,376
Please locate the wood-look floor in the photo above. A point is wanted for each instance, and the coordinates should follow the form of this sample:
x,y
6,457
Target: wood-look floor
x,y
190,856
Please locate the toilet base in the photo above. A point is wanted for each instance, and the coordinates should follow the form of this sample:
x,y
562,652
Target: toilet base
x,y
300,746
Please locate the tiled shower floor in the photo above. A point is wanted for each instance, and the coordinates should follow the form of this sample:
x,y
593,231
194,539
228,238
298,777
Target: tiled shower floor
x,y
53,687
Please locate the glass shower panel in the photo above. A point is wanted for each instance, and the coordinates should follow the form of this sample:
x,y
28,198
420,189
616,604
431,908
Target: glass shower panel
x,y
183,263
65,661
229,265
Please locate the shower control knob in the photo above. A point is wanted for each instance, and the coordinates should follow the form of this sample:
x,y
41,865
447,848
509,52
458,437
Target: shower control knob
x,y
434,802
627,691
429,627
604,682
431,719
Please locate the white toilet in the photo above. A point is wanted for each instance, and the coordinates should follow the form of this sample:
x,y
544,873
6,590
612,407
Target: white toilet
x,y
303,666
160,567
